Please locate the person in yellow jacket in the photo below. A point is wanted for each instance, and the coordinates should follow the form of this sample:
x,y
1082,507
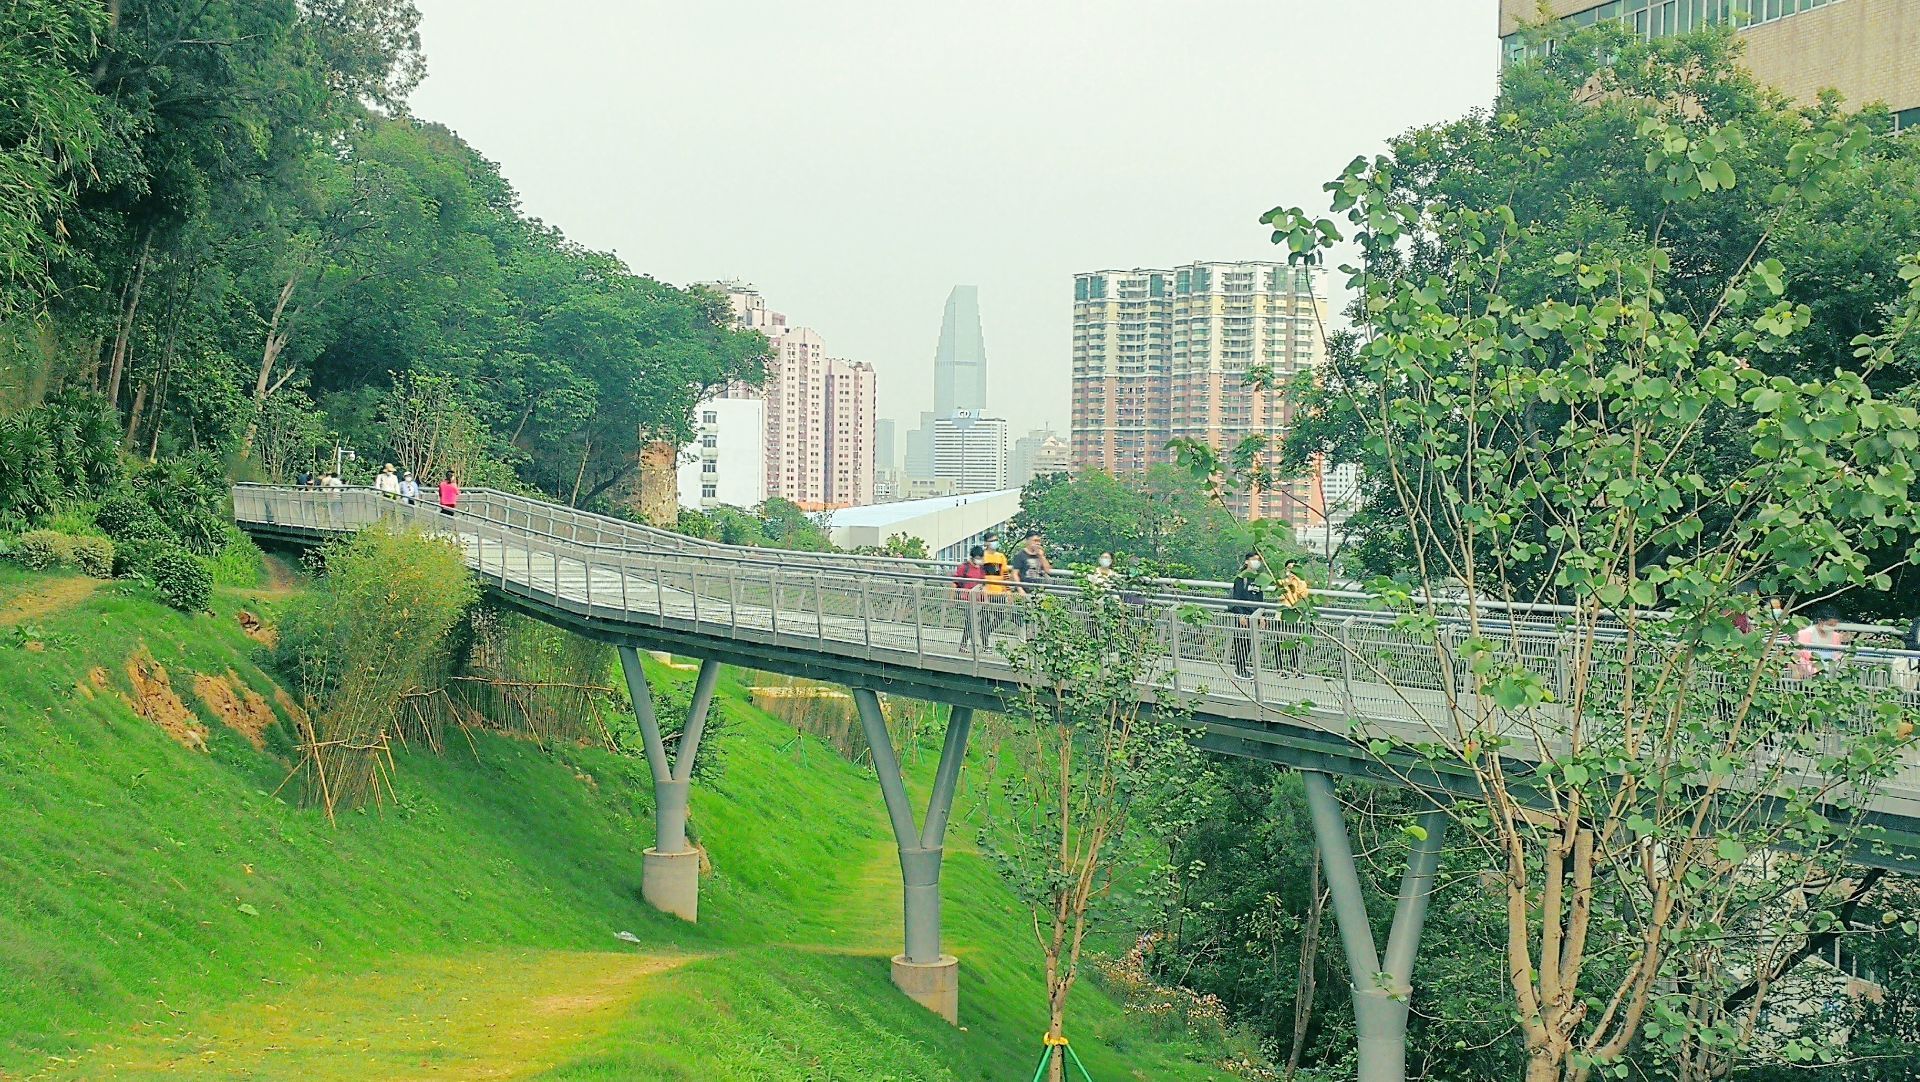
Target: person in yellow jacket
x,y
998,589
1293,592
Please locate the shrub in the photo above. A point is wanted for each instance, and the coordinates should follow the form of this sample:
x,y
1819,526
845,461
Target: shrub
x,y
131,558
238,563
91,555
189,494
66,447
126,516
181,578
72,517
42,550
29,485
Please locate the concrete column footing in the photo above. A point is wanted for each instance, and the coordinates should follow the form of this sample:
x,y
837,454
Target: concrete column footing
x,y
933,985
670,882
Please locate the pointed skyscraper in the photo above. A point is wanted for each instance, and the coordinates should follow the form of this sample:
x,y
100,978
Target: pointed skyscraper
x,y
960,364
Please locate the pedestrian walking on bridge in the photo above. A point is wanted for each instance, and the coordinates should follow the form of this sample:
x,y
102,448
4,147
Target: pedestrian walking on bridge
x,y
970,587
1248,598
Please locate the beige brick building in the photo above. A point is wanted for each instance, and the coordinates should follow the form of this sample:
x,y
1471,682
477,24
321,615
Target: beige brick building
x,y
1869,50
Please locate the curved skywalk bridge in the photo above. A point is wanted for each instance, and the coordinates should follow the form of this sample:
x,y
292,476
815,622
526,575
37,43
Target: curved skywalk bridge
x,y
1322,682
895,624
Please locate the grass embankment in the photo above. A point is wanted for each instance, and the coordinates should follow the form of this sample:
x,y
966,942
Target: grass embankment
x,y
162,914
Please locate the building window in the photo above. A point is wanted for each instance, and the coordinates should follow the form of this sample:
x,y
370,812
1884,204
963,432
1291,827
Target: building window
x,y
710,417
1907,120
709,467
708,492
709,440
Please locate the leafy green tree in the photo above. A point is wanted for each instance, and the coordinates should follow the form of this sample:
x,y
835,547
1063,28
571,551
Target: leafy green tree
x,y
49,131
1653,461
1094,769
1562,150
1162,518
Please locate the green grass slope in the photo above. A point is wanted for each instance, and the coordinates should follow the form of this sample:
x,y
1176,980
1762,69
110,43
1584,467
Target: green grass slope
x,y
163,915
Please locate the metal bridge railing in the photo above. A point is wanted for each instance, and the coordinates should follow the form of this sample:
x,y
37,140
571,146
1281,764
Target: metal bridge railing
x,y
1323,666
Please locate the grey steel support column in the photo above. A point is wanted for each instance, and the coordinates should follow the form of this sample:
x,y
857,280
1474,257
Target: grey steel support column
x,y
929,978
1381,989
670,872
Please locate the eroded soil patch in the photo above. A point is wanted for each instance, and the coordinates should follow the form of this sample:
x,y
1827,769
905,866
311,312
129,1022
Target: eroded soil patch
x,y
153,698
238,706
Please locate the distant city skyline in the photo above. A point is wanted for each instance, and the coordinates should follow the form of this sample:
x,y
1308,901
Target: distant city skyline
x,y
854,162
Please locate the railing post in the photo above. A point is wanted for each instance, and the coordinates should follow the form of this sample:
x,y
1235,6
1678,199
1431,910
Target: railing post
x,y
693,591
866,615
1347,704
659,593
919,644
819,609
1175,629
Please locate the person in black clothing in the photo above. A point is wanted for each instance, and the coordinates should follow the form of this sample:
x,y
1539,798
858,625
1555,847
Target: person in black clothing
x,y
1030,563
1246,595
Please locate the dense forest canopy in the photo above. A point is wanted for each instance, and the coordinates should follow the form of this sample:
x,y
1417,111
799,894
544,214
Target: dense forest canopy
x,y
218,215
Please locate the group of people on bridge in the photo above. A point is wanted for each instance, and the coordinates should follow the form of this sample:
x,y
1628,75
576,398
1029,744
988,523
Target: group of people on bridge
x,y
991,582
395,484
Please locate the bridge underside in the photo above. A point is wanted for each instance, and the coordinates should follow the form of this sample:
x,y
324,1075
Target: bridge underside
x,y
1311,742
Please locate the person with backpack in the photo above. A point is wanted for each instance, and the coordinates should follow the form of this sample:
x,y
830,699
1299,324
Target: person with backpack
x,y
970,587
449,495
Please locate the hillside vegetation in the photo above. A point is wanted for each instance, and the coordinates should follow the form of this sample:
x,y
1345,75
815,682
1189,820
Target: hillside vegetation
x,y
165,914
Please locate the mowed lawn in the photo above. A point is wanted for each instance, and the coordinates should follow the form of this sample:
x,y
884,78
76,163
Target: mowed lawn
x,y
164,914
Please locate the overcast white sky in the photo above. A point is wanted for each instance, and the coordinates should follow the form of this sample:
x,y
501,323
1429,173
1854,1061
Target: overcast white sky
x,y
855,159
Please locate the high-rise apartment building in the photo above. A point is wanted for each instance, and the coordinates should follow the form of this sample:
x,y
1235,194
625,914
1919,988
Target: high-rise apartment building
x,y
1869,50
971,451
1165,354
1122,358
726,464
819,433
851,400
960,360
1230,319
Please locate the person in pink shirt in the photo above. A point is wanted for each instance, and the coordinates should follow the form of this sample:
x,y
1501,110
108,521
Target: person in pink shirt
x,y
449,494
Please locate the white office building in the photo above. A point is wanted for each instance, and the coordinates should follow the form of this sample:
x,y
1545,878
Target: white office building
x,y
726,464
971,451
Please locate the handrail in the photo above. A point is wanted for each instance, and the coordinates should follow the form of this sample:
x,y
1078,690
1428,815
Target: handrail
x,y
676,546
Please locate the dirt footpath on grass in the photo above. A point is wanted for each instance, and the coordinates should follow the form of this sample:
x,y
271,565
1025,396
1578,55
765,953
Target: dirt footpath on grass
x,y
45,599
495,1016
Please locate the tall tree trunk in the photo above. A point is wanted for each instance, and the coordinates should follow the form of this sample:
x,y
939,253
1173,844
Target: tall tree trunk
x,y
139,404
122,342
264,384
1306,985
586,449
159,401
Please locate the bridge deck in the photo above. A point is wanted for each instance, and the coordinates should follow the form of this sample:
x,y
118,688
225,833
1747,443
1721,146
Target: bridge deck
x,y
1318,680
